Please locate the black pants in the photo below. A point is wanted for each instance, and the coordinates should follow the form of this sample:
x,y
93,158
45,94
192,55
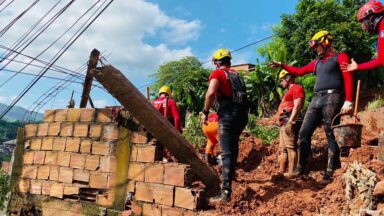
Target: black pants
x,y
322,108
231,124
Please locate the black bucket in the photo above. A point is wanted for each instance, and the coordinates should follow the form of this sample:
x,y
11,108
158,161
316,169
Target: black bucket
x,y
347,135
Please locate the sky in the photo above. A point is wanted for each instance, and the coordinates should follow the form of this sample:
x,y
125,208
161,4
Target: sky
x,y
135,36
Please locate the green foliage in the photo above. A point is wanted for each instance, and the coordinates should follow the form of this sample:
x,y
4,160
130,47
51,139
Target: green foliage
x,y
188,81
266,133
8,130
194,133
4,157
377,103
4,189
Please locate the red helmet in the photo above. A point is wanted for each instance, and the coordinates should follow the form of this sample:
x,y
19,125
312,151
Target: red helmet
x,y
371,7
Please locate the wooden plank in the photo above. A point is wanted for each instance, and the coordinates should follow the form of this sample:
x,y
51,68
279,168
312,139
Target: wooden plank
x,y
135,102
93,59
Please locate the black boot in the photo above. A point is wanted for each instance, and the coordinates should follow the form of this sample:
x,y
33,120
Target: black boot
x,y
223,197
211,160
327,177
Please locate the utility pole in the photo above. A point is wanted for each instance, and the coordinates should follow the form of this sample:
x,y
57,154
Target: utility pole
x,y
93,59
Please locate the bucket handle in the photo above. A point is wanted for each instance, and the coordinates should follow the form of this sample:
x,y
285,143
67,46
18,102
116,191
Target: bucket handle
x,y
341,114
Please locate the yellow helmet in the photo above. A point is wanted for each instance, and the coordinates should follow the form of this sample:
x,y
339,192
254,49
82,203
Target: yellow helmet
x,y
282,74
221,53
320,37
165,89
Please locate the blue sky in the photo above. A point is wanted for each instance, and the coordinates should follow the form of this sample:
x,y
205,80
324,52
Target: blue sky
x,y
138,36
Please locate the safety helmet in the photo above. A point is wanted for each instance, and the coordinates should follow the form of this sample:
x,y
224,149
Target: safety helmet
x,y
165,89
320,37
282,74
371,7
221,53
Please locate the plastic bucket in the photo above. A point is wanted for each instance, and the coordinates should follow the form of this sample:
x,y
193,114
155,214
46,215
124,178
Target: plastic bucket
x,y
347,135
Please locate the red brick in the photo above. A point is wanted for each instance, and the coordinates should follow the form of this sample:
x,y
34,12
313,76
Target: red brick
x,y
51,158
104,115
54,173
137,208
47,143
81,175
49,115
42,129
72,144
5,166
105,199
28,157
95,130
170,211
108,164
61,115
87,115
54,128
39,157
36,187
110,132
133,155
66,129
81,130
36,143
24,185
154,173
77,161
43,172
65,175
139,137
111,181
100,148
73,115
144,192
85,146
30,130
59,143
92,162
71,190
146,153
163,194
98,180
63,159
131,186
187,198
151,210
175,175
46,188
57,190
136,171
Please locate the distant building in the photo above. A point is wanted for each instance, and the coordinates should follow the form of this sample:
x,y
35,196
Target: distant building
x,y
8,146
243,67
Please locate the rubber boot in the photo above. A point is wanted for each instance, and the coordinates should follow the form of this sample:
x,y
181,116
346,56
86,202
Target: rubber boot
x,y
283,159
211,160
292,162
223,197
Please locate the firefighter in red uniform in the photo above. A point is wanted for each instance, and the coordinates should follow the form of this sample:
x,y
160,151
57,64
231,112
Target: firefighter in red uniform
x,y
333,93
167,107
371,16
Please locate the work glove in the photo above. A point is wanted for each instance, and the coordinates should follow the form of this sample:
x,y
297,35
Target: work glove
x,y
275,64
204,117
347,108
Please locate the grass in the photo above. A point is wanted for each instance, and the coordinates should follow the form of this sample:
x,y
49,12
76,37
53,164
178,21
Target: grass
x,y
377,103
267,133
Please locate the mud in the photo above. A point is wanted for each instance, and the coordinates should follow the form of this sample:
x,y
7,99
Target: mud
x,y
257,190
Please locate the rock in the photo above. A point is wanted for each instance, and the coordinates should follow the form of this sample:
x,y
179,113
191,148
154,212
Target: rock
x,y
379,189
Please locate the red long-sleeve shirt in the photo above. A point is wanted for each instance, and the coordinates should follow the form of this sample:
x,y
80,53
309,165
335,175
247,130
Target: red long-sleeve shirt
x,y
309,68
172,110
379,61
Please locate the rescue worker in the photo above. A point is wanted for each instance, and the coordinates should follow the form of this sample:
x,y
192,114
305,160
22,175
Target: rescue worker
x,y
167,107
290,122
227,88
333,92
210,131
371,16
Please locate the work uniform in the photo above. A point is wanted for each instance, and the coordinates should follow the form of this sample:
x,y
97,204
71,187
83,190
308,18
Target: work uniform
x,y
233,118
332,87
210,131
168,108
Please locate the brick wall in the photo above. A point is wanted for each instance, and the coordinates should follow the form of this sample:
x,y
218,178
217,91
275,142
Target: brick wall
x,y
72,155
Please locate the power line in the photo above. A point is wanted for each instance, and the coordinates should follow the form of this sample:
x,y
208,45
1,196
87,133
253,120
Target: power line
x,y
7,5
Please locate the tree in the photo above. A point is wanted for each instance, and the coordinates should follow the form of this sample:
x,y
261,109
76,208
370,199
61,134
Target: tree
x,y
188,81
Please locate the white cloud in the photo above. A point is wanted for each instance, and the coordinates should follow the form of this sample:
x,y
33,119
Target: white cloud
x,y
100,103
3,99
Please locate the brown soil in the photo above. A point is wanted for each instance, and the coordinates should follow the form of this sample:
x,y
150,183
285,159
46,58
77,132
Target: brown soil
x,y
258,191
